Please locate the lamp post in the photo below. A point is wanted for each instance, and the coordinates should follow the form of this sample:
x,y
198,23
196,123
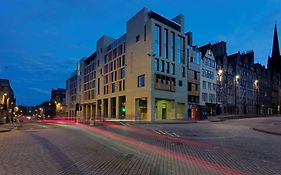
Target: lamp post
x,y
220,76
235,91
257,88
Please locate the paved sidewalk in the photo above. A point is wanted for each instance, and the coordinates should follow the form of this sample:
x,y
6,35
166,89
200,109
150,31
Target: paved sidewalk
x,y
272,126
4,128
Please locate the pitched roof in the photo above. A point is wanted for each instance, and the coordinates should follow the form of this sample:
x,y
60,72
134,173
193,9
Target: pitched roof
x,y
203,49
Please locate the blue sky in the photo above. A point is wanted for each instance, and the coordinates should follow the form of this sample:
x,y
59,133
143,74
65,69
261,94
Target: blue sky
x,y
41,41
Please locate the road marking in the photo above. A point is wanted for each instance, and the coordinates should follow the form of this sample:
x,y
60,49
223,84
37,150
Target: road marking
x,y
175,134
166,133
156,131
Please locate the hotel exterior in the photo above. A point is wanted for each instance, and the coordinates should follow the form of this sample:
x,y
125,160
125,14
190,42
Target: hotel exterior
x,y
140,76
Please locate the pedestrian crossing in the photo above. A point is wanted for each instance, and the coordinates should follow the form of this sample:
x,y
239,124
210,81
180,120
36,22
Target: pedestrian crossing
x,y
161,132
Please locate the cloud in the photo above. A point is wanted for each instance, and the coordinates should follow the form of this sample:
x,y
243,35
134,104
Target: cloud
x,y
39,90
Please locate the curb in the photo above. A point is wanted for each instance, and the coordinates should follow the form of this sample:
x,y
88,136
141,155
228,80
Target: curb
x,y
5,130
267,132
186,122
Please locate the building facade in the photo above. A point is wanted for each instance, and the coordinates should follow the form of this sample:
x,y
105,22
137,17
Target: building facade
x,y
58,102
208,80
193,79
71,95
139,76
8,100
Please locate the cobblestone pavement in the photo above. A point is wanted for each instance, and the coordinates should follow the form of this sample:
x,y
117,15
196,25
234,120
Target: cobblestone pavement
x,y
201,148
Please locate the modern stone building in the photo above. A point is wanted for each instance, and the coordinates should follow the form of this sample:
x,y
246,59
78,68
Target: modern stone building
x,y
139,76
71,95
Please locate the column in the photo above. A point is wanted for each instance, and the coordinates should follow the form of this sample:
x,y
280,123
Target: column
x,y
86,113
175,109
117,108
91,113
109,108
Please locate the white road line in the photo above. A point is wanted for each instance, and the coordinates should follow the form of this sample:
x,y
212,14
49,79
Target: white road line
x,y
176,134
157,131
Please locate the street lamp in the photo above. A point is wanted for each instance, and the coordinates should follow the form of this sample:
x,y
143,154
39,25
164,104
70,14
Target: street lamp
x,y
256,85
219,89
237,77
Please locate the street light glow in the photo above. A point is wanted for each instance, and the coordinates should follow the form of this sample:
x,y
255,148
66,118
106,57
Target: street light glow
x,y
237,77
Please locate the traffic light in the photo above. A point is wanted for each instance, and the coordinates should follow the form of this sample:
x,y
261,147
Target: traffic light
x,y
123,110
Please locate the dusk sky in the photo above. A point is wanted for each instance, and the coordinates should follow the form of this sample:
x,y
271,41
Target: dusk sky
x,y
41,41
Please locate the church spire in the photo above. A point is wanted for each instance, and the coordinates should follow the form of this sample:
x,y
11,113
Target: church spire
x,y
275,47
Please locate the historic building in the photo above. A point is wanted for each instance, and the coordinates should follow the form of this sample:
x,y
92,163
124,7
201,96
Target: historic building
x,y
274,68
8,101
139,76
262,89
208,80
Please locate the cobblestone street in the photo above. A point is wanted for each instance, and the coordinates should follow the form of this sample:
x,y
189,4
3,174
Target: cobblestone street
x,y
229,147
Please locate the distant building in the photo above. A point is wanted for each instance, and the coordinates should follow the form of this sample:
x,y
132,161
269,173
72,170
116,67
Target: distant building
x,y
274,67
8,100
262,90
58,101
193,78
208,80
71,95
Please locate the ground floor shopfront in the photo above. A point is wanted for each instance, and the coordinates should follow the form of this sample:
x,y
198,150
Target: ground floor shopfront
x,y
135,109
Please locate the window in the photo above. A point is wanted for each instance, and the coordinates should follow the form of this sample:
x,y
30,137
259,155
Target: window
x,y
209,86
113,87
124,47
168,67
123,60
173,68
214,86
94,83
165,43
157,40
183,71
120,86
180,50
141,80
162,66
189,86
112,76
180,83
204,84
191,59
172,46
195,75
156,64
198,58
137,38
122,73
204,96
